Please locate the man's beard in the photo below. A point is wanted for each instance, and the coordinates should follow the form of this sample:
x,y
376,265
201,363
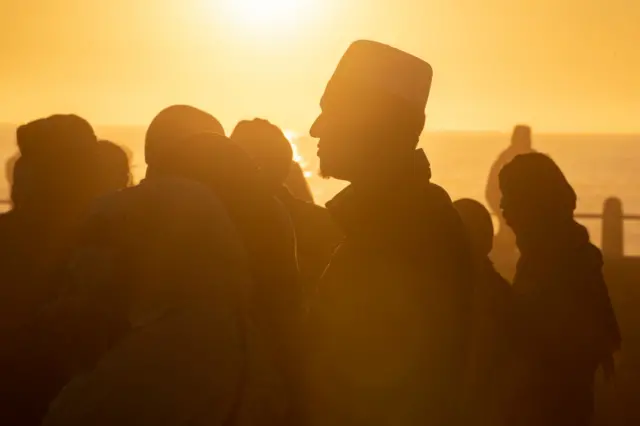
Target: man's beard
x,y
323,173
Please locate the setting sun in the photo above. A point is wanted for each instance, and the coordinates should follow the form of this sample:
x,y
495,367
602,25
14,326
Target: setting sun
x,y
272,14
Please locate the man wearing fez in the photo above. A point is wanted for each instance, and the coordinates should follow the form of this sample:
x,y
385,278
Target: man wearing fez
x,y
389,324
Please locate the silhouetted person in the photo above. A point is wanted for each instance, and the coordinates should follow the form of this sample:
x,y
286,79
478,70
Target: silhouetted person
x,y
190,356
224,169
504,249
316,235
115,172
491,310
54,184
389,325
564,322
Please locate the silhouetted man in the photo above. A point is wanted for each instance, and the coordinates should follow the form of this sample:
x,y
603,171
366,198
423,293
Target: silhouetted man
x,y
316,235
54,184
389,325
491,309
504,249
564,322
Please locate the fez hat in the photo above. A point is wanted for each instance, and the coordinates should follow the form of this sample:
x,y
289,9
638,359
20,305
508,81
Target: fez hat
x,y
376,68
169,129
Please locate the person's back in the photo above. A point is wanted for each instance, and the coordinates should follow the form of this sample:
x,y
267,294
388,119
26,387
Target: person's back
x,y
188,354
389,323
490,353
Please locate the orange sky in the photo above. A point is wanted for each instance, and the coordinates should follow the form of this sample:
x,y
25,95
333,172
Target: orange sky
x,y
561,65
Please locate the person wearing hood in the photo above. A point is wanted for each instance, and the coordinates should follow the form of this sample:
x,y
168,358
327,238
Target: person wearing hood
x,y
564,324
389,324
316,235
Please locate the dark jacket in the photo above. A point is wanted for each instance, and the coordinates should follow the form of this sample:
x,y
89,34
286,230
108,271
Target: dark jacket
x,y
564,326
33,261
490,352
389,324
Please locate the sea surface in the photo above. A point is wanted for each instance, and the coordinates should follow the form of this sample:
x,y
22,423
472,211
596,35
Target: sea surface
x,y
598,166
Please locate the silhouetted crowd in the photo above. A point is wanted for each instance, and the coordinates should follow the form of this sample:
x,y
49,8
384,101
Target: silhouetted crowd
x,y
215,292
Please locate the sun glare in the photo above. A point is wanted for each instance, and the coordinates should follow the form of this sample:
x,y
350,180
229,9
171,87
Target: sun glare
x,y
292,137
272,14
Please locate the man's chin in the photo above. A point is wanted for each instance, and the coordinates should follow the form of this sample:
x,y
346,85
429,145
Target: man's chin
x,y
326,172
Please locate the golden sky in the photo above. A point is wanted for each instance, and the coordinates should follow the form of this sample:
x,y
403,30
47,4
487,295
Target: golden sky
x,y
561,65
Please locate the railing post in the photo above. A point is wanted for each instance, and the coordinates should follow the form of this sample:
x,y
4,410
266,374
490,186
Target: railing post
x,y
613,228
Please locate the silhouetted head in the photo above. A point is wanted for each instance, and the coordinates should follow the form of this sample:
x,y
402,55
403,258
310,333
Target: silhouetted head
x,y
372,110
477,221
55,136
115,170
59,158
521,138
267,145
169,128
535,193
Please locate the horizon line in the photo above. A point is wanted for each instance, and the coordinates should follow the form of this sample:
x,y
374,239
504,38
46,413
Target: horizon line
x,y
426,131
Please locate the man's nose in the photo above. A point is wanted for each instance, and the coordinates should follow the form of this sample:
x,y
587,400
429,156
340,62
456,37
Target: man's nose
x,y
316,127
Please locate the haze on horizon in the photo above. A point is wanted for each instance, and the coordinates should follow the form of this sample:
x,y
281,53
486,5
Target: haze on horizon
x,y
559,66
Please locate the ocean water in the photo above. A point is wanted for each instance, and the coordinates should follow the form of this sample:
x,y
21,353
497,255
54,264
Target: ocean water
x,y
598,166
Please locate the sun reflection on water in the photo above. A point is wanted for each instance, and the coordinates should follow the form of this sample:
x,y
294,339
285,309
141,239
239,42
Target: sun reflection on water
x,y
297,157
